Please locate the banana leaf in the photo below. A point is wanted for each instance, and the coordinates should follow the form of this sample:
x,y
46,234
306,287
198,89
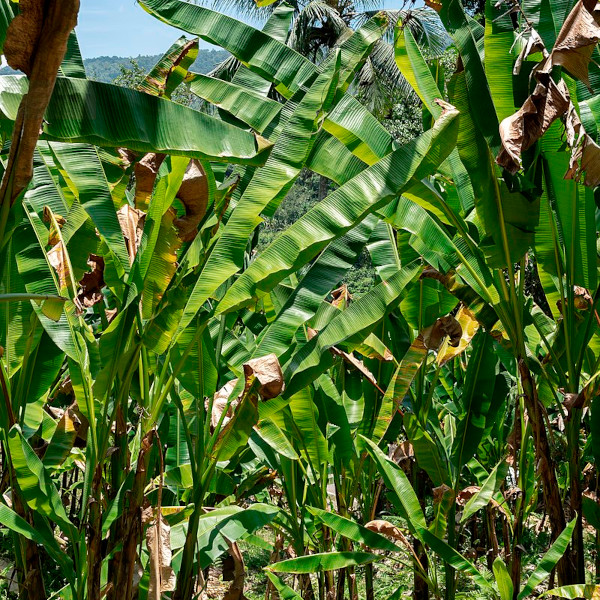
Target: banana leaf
x,y
110,116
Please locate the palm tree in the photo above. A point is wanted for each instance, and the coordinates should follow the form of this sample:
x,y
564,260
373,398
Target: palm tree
x,y
319,25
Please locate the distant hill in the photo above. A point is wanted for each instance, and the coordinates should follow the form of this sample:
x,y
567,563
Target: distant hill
x,y
107,68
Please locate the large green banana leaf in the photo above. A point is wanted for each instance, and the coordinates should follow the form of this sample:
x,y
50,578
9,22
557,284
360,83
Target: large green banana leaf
x,y
327,561
267,56
111,116
324,274
342,210
479,400
405,500
350,326
84,169
268,183
35,483
72,64
549,560
277,26
354,531
171,69
256,49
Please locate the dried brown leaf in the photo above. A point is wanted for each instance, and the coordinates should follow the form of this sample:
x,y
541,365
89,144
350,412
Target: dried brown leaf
x,y
131,221
440,492
36,42
92,282
572,50
158,542
359,365
341,296
220,400
520,131
445,326
401,452
127,157
193,194
23,34
534,44
577,39
388,529
466,494
268,372
58,258
469,325
145,172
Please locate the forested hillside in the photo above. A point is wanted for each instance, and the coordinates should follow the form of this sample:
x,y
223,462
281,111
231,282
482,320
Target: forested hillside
x,y
108,68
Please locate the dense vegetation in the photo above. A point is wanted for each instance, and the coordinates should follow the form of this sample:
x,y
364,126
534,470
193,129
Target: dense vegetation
x,y
108,68
188,389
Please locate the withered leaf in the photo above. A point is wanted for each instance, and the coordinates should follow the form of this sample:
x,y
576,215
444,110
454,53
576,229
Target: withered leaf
x,y
193,194
266,369
441,492
145,172
402,451
92,282
445,326
466,494
534,44
23,34
268,372
469,325
341,296
58,258
131,221
127,157
158,542
386,528
520,131
577,39
220,400
572,50
359,365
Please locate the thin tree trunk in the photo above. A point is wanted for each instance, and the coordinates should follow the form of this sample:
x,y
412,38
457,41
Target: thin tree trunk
x,y
132,533
421,589
370,592
576,492
493,547
31,582
94,557
515,548
546,472
323,187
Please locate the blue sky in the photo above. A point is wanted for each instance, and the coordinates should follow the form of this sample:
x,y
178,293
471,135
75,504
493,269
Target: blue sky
x,y
123,28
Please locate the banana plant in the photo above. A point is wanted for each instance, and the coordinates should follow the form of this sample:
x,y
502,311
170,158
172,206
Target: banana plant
x,y
518,199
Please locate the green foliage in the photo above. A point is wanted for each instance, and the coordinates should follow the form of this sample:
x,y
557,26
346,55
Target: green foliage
x,y
359,355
